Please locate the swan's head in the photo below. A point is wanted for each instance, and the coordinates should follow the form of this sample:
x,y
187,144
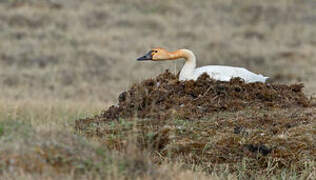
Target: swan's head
x,y
156,54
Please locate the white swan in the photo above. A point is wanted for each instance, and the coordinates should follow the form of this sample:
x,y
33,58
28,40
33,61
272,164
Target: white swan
x,y
190,72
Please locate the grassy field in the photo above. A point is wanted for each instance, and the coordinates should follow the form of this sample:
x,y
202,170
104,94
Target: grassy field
x,y
38,142
65,60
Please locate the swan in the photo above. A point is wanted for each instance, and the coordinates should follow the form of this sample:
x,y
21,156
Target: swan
x,y
190,72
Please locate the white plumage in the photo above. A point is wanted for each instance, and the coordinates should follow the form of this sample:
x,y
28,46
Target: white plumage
x,y
225,73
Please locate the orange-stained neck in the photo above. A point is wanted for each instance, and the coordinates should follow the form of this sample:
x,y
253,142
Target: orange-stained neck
x,y
175,54
180,53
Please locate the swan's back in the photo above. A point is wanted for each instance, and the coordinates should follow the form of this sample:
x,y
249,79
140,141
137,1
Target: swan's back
x,y
225,73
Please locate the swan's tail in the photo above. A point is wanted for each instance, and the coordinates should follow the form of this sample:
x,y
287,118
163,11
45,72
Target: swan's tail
x,y
263,78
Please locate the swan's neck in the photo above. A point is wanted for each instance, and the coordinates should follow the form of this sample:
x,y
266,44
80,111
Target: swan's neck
x,y
189,66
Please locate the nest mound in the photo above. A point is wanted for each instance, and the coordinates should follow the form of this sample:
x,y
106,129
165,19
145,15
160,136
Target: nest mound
x,y
165,97
208,122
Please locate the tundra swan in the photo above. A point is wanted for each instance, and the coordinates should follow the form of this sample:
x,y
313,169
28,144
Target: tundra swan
x,y
190,72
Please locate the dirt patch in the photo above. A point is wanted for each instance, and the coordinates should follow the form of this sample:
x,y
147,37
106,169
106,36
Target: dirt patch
x,y
208,122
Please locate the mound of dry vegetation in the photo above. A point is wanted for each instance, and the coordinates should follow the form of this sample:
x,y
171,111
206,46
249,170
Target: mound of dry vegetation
x,y
266,127
166,97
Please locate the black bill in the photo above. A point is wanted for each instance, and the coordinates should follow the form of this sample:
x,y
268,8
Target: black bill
x,y
146,57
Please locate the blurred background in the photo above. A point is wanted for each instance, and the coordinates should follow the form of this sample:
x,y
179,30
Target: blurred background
x,y
86,51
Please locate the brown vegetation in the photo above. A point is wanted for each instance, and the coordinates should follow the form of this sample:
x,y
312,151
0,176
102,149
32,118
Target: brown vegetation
x,y
166,97
268,127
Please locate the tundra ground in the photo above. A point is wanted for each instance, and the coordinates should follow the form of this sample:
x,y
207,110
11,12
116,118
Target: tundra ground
x,y
66,60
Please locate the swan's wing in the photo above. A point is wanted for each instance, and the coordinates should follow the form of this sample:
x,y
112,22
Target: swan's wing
x,y
225,73
217,75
